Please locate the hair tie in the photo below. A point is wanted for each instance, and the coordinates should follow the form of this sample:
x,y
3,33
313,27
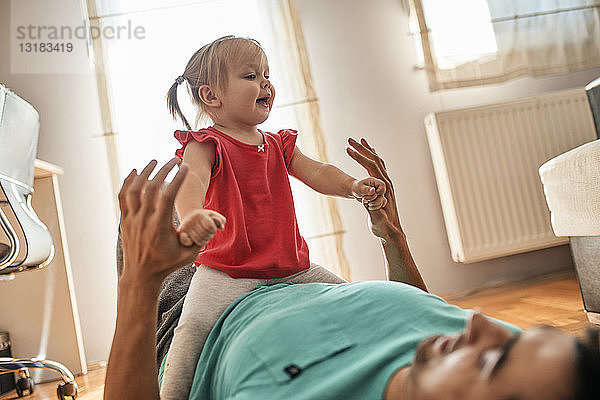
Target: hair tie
x,y
180,79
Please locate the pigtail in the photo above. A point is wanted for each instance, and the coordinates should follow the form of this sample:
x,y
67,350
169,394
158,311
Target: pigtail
x,y
173,104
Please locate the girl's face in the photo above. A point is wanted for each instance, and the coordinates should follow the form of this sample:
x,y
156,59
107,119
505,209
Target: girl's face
x,y
248,97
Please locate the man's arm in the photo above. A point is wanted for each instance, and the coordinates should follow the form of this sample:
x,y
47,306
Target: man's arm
x,y
151,251
384,222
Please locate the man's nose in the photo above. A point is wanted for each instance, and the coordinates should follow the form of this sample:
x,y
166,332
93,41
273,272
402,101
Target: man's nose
x,y
482,329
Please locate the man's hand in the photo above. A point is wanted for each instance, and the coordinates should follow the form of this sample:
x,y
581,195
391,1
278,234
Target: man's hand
x,y
384,221
151,247
200,227
370,192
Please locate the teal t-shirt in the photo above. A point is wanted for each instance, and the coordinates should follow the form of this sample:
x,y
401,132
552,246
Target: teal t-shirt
x,y
319,341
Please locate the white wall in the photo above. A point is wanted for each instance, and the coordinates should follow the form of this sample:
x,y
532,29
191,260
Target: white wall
x,y
362,61
70,136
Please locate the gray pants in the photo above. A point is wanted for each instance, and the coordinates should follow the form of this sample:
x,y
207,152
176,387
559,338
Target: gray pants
x,y
211,292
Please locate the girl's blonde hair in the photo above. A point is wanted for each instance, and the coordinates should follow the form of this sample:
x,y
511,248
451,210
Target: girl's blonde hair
x,y
209,66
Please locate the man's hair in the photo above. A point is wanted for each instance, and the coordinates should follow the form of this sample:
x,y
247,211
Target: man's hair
x,y
587,366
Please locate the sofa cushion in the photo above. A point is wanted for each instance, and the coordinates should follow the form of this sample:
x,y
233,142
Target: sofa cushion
x,y
572,187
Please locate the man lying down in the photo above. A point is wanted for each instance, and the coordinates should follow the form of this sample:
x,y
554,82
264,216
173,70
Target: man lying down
x,y
363,340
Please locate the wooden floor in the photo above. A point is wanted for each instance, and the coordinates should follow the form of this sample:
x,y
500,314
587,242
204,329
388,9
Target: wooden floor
x,y
552,302
91,386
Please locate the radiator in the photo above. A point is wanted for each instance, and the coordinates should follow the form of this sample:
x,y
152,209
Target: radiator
x,y
486,162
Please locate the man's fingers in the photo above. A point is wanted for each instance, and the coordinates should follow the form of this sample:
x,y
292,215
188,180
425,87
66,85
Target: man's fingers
x,y
168,196
366,163
378,159
384,202
185,239
368,147
135,188
156,183
148,169
377,203
200,237
188,255
123,191
363,148
367,150
364,142
366,156
173,188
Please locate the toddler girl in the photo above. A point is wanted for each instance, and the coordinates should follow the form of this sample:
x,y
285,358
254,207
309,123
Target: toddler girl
x,y
238,185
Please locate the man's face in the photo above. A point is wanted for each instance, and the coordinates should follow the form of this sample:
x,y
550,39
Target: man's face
x,y
488,362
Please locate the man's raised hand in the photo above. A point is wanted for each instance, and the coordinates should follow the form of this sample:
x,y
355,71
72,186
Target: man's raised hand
x,y
384,219
151,247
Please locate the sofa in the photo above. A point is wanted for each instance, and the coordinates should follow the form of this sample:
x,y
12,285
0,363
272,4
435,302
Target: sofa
x,y
572,188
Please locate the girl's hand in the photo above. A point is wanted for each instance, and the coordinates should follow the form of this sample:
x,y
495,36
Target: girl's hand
x,y
199,227
368,190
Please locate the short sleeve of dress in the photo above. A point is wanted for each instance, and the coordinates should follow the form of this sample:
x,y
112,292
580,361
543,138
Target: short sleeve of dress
x,y
288,138
201,136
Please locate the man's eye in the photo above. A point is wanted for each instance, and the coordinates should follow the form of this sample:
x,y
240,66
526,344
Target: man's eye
x,y
481,360
487,360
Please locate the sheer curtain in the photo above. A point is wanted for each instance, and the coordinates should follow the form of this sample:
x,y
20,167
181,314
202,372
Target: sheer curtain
x,y
134,76
504,39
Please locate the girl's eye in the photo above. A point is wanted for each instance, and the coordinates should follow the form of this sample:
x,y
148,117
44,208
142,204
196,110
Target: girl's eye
x,y
266,76
250,76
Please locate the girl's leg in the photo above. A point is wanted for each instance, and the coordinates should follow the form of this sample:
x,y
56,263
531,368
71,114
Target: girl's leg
x,y
211,292
315,273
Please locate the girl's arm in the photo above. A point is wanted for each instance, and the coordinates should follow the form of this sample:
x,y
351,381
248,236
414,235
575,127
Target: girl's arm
x,y
200,158
330,180
198,225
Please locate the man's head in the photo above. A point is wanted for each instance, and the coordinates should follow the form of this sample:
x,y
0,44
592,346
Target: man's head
x,y
489,362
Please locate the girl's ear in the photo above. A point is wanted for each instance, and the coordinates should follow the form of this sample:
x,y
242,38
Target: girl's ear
x,y
208,96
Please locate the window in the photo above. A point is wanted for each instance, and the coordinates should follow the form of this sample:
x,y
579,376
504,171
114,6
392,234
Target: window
x,y
460,31
475,42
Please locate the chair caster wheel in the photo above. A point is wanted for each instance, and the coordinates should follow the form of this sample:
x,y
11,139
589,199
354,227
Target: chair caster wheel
x,y
23,385
66,389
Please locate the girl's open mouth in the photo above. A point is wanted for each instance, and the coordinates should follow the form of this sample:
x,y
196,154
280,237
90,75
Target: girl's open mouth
x,y
264,101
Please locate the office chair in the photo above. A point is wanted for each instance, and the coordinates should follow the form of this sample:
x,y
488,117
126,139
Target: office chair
x,y
25,243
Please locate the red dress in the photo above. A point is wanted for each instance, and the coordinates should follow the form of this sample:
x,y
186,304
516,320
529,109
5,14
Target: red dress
x,y
250,186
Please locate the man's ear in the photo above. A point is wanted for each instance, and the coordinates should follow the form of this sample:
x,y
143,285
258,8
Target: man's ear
x,y
209,96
